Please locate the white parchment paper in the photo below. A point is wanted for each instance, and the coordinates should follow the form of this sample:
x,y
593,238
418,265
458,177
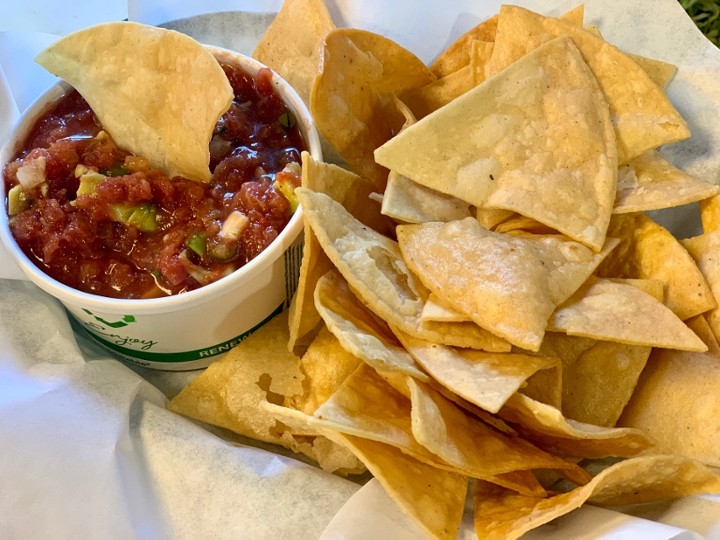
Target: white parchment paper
x,y
87,449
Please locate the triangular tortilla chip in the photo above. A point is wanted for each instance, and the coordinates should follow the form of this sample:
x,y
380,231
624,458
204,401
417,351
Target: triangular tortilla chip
x,y
487,380
650,182
359,331
508,285
647,250
353,192
290,45
704,250
642,114
157,92
613,311
503,515
352,95
493,151
546,427
373,267
677,404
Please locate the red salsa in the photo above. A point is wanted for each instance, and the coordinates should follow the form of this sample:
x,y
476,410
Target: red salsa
x,y
101,220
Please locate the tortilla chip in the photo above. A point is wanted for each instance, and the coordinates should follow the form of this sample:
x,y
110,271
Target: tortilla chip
x,y
546,427
291,43
352,95
508,285
439,93
710,214
433,498
704,251
373,267
353,192
469,444
157,92
503,515
490,151
487,380
612,311
324,366
649,251
359,331
677,404
599,383
409,202
457,55
700,325
643,116
650,182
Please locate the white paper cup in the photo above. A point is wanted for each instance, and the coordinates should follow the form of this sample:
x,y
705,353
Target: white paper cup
x,y
188,330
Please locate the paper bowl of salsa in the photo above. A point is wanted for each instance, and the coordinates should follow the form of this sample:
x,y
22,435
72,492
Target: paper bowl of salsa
x,y
161,270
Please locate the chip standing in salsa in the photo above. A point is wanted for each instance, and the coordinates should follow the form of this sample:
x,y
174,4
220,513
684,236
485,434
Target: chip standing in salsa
x,y
103,221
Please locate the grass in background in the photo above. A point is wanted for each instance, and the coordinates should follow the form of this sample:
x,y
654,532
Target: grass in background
x,y
706,15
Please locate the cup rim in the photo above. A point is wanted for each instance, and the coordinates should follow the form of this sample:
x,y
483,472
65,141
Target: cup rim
x,y
174,302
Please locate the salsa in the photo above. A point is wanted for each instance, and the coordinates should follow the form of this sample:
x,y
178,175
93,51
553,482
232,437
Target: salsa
x,y
101,220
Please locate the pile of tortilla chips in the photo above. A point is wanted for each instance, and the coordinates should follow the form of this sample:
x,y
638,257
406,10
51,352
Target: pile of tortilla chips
x,y
484,307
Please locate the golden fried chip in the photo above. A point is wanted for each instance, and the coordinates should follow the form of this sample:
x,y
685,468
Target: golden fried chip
x,y
642,114
359,331
677,404
613,311
291,43
432,497
704,251
493,151
710,214
546,427
650,182
352,96
325,365
469,444
353,192
503,515
487,380
508,285
649,251
229,393
373,267
599,383
157,92
457,55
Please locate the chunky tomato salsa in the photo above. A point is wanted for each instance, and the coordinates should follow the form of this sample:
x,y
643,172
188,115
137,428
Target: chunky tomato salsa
x,y
103,221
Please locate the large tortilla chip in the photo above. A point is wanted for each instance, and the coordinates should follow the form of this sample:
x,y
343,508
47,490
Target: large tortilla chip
x,y
157,92
359,331
649,251
503,515
546,427
353,192
485,379
373,267
508,285
291,43
599,383
432,497
612,311
650,182
352,96
677,403
642,114
469,444
537,130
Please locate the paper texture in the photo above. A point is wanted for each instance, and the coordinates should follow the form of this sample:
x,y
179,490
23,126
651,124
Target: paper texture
x,y
87,448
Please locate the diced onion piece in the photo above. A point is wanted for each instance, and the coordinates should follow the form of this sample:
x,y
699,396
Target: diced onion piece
x,y
32,173
233,226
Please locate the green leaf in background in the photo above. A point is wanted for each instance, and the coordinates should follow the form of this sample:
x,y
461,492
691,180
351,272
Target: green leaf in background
x,y
706,15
